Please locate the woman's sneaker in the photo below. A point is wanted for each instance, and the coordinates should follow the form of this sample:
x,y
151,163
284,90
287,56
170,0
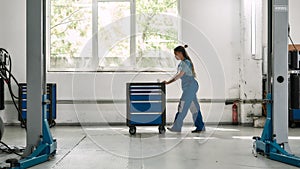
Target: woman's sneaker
x,y
198,131
172,130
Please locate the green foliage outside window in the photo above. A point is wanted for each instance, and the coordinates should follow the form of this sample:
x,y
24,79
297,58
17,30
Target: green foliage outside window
x,y
71,31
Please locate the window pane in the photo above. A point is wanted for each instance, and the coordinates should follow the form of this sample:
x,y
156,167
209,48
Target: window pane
x,y
70,29
114,34
157,33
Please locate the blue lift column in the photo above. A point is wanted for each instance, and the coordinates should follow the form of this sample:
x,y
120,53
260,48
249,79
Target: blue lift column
x,y
274,140
40,146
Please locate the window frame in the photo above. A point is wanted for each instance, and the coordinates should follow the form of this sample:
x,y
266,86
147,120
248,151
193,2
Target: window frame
x,y
95,49
95,28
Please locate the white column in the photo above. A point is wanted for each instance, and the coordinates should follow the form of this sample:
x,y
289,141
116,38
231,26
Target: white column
x,y
250,70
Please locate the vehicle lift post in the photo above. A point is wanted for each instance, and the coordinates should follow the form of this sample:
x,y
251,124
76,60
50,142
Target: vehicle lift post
x,y
274,139
40,146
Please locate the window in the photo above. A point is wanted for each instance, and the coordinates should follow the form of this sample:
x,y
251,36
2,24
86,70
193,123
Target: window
x,y
114,31
70,31
113,35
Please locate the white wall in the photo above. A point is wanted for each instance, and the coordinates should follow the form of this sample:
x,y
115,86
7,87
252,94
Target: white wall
x,y
211,28
12,31
251,63
12,38
227,25
294,20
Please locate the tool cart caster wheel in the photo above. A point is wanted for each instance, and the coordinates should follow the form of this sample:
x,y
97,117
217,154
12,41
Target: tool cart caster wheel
x,y
23,124
13,162
132,130
161,129
254,152
293,125
52,123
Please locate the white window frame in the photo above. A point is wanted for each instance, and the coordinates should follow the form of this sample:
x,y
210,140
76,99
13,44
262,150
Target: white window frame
x,y
95,49
132,34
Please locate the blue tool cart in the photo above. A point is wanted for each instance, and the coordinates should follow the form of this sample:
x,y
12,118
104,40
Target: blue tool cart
x,y
146,106
51,107
294,88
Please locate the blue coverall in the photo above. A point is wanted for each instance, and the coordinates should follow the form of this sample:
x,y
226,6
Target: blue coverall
x,y
188,98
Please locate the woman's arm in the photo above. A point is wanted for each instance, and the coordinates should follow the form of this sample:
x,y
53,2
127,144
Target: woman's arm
x,y
177,76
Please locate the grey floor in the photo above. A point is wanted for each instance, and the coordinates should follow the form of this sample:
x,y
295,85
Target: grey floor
x,y
113,148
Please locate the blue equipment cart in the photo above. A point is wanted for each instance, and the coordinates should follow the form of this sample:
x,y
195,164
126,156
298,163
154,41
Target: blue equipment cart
x,y
51,107
146,106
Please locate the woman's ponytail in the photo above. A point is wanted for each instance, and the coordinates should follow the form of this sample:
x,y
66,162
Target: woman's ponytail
x,y
186,56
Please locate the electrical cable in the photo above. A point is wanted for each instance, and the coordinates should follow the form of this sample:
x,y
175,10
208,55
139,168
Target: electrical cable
x,y
9,84
292,42
10,75
289,35
10,150
19,111
7,76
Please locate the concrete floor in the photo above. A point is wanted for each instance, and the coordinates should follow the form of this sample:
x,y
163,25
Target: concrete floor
x,y
226,147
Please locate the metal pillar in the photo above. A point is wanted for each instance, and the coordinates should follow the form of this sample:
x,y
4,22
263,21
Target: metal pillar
x,y
34,72
280,71
270,49
274,140
40,145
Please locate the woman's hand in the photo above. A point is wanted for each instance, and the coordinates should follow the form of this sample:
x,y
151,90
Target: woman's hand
x,y
165,82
